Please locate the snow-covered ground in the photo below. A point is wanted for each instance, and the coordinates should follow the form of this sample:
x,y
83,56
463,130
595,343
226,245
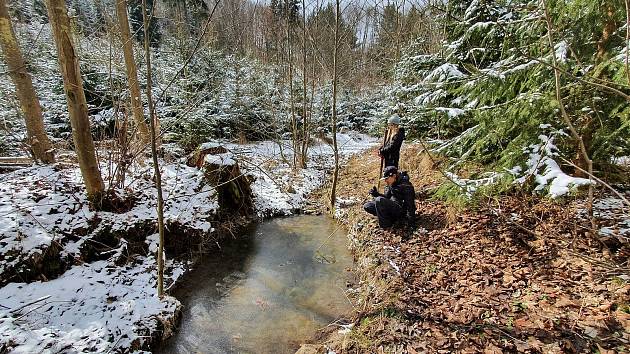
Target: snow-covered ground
x,y
101,296
278,189
614,217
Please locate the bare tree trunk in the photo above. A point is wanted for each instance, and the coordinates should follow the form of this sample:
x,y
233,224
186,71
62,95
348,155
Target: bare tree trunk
x,y
295,138
305,134
77,106
565,115
37,139
333,189
627,38
123,143
365,46
156,167
398,27
132,71
607,31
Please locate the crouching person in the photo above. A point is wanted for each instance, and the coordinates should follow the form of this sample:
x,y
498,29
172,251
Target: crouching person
x,y
398,202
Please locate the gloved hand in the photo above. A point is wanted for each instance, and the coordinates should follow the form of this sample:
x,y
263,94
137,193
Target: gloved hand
x,y
374,192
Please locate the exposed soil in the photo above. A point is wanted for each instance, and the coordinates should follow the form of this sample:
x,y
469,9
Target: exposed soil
x,y
513,274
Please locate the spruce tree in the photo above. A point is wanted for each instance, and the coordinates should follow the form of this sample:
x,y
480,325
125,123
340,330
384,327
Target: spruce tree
x,y
491,88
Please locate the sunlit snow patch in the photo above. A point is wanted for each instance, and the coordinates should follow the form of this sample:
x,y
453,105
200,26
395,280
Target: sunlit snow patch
x,y
545,169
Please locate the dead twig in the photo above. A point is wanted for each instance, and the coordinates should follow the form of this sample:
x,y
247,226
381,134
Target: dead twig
x,y
39,306
624,199
599,263
327,238
17,309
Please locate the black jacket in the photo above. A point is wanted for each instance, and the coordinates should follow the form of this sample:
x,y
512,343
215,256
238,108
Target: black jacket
x,y
391,150
403,193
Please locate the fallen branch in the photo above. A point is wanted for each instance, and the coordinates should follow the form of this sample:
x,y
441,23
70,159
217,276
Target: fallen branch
x,y
327,238
17,309
608,266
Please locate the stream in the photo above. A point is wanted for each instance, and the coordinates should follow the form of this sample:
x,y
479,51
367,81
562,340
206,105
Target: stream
x,y
267,292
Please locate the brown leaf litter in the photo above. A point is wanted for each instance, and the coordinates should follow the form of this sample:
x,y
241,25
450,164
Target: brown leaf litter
x,y
514,274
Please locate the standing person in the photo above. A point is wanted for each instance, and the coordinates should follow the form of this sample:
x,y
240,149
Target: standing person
x,y
398,202
390,151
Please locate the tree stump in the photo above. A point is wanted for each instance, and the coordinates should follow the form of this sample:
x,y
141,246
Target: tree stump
x,y
222,171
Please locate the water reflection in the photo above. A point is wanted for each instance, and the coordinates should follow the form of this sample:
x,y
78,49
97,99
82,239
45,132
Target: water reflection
x,y
267,293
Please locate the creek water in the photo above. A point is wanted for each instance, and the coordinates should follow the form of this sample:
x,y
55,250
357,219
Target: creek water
x,y
267,292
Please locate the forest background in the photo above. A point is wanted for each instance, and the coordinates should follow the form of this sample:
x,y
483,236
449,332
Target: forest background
x,y
477,78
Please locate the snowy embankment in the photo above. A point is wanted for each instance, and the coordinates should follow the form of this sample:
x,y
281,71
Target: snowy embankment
x,y
74,280
278,189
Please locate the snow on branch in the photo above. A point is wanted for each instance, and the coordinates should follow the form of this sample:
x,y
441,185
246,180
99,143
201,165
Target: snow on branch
x,y
545,169
471,185
444,72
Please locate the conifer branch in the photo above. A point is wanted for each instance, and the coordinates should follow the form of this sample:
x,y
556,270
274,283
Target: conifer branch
x,y
603,85
424,147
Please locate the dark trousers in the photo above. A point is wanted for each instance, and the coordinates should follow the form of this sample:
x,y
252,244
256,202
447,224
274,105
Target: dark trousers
x,y
387,211
391,161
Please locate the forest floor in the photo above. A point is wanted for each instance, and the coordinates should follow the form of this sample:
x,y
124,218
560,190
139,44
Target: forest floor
x,y
514,273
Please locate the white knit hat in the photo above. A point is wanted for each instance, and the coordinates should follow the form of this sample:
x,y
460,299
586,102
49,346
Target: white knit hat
x,y
394,119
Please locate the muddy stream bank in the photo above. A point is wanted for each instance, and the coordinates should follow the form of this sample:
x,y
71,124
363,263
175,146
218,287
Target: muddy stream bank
x,y
266,292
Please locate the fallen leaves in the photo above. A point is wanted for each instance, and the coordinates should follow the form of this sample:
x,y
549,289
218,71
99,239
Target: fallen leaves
x,y
470,282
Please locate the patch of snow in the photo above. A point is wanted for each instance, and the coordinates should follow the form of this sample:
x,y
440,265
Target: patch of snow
x,y
622,161
444,72
472,8
612,214
456,139
91,308
561,50
607,208
278,189
561,183
345,329
470,186
209,145
341,204
521,67
472,104
430,96
493,73
480,26
226,159
622,54
451,112
396,268
545,169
